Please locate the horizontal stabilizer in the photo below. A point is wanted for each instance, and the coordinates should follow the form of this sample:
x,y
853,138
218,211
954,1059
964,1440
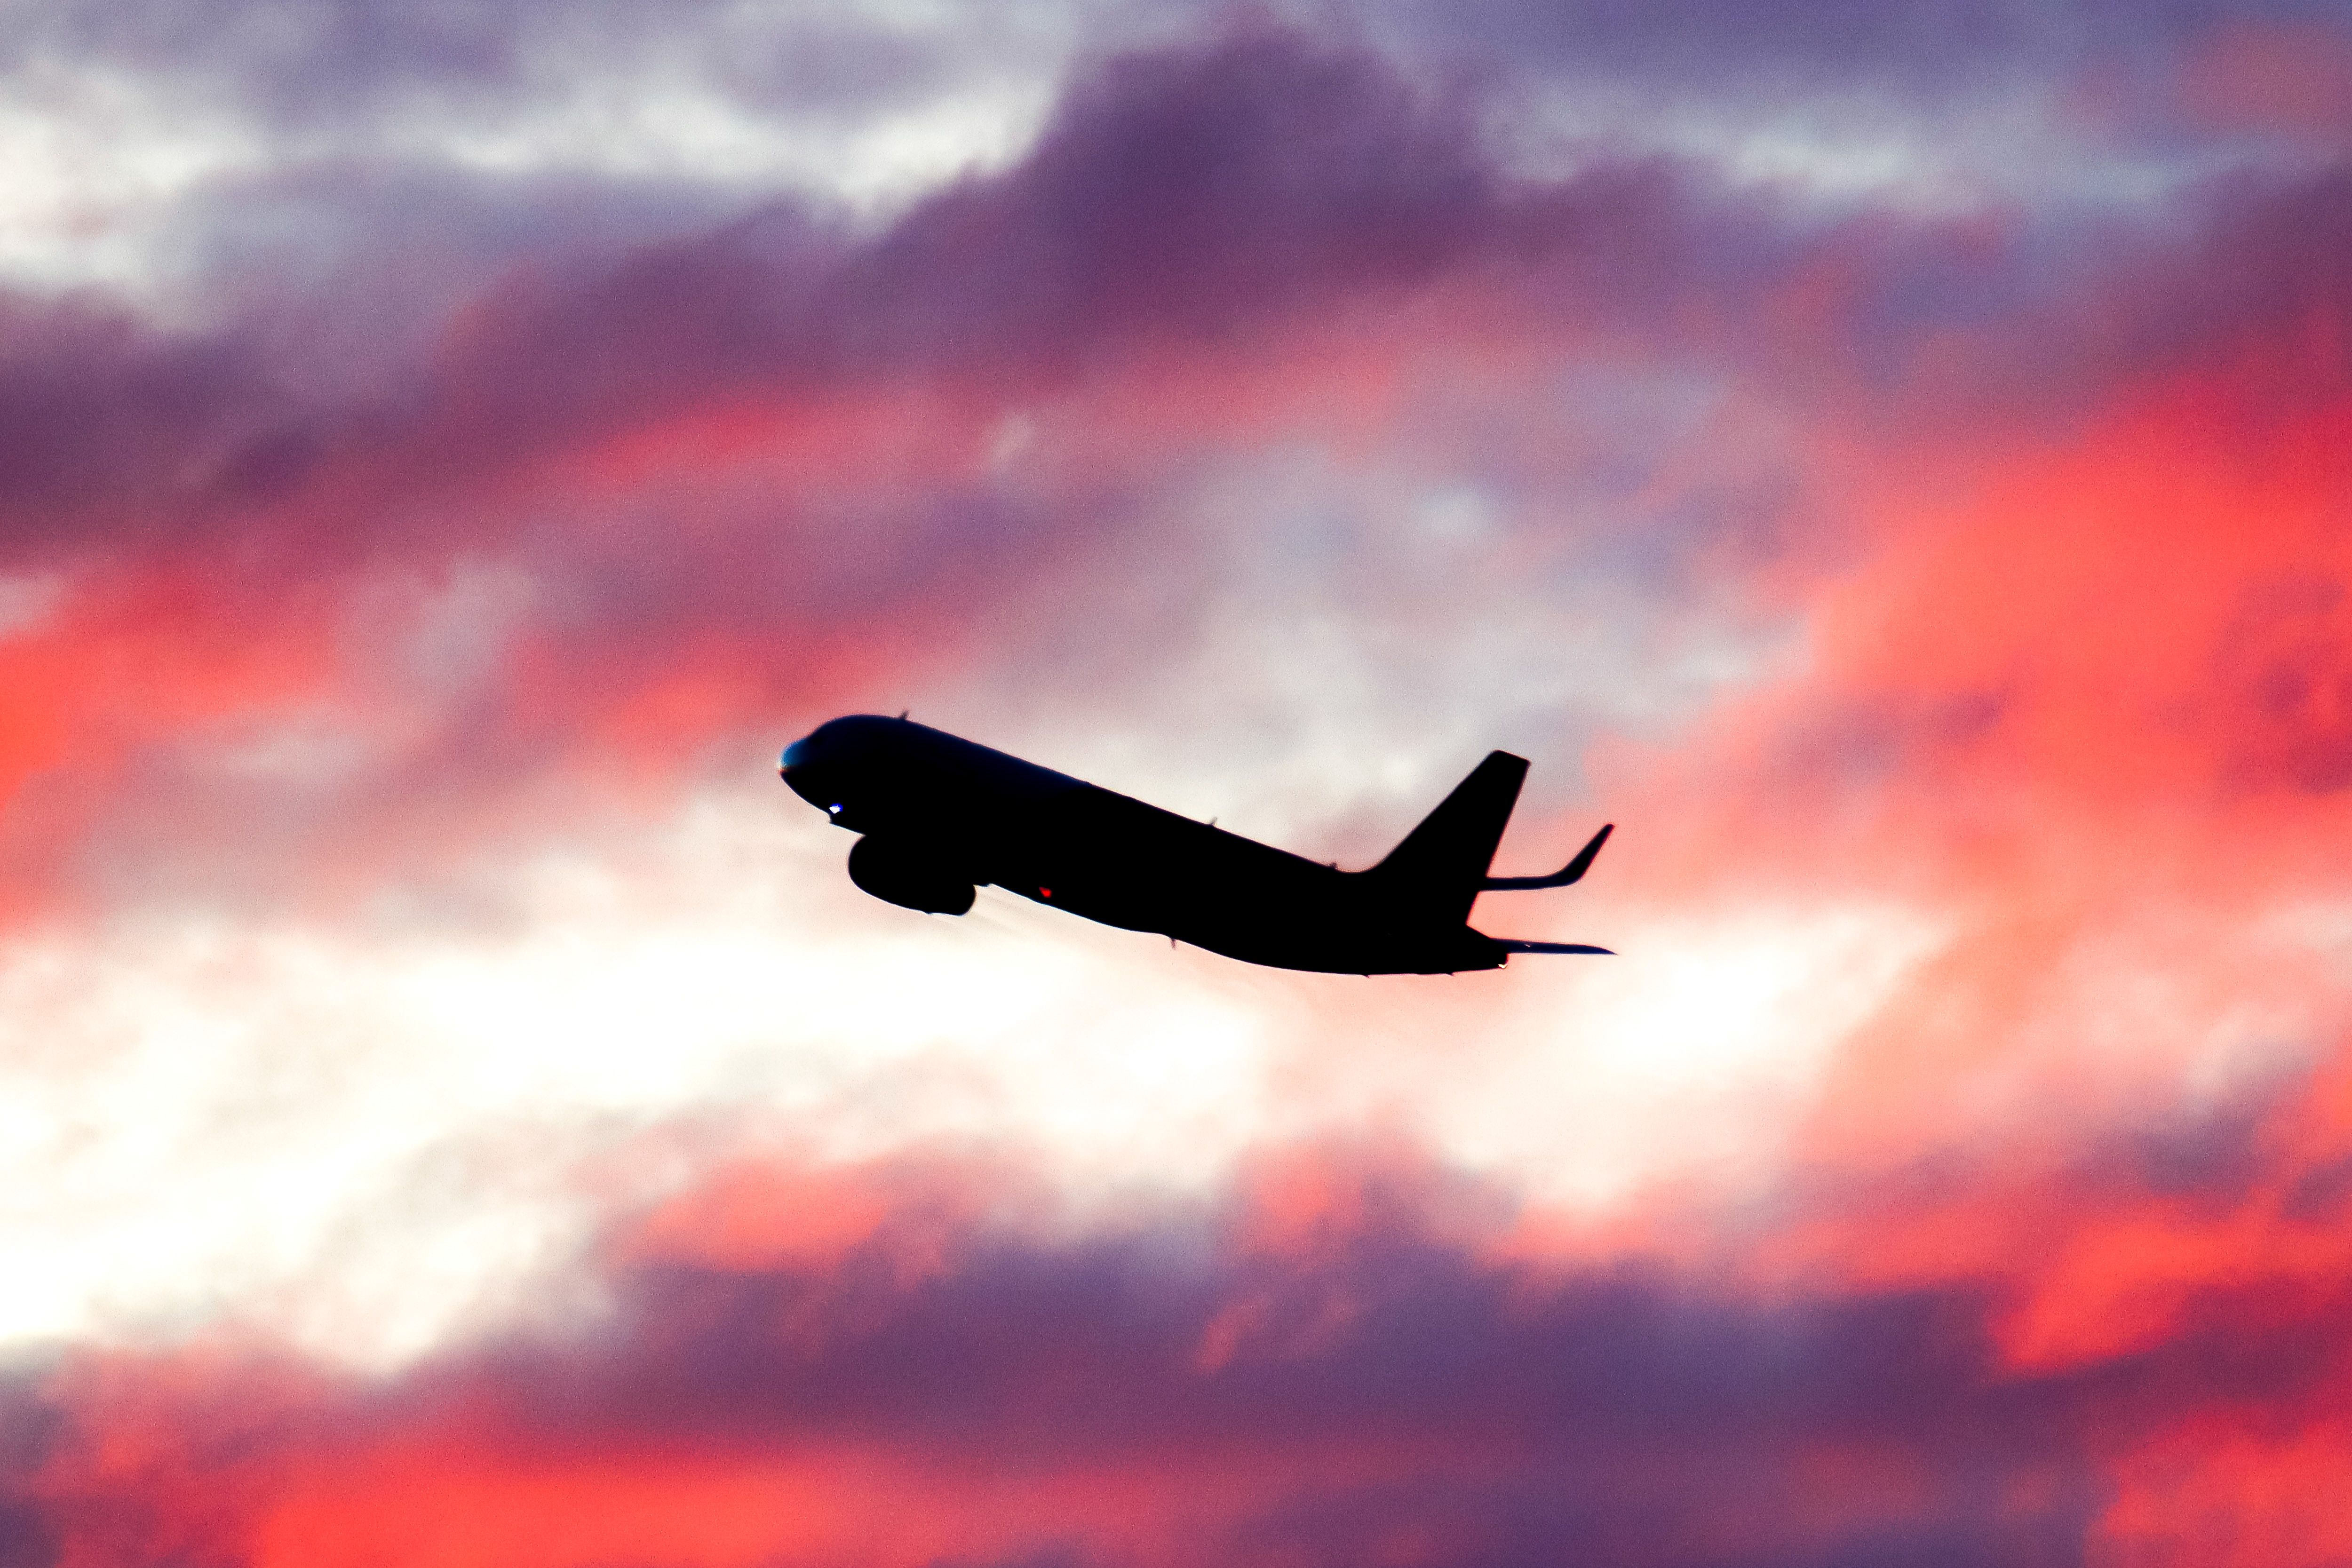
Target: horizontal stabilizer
x,y
1512,945
1573,871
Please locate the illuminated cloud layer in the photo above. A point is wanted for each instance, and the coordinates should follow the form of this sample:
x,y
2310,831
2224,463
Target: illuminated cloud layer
x,y
1894,463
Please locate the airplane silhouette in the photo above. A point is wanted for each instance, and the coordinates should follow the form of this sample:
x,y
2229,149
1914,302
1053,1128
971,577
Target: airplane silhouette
x,y
939,815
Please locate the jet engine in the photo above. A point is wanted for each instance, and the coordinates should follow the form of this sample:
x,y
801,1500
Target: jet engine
x,y
898,874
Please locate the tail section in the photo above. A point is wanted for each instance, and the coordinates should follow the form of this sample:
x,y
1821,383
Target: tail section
x,y
1442,864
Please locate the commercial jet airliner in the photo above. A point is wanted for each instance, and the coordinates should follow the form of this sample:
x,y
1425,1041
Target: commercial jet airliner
x,y
940,815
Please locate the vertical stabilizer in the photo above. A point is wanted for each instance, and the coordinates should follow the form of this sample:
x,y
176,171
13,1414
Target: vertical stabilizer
x,y
1442,863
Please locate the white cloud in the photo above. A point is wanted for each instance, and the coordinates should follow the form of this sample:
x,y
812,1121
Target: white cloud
x,y
367,1141
261,1122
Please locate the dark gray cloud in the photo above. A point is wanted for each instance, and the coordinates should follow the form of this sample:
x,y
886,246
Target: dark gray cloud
x,y
1925,48
357,71
1199,196
304,62
1191,198
106,422
28,1424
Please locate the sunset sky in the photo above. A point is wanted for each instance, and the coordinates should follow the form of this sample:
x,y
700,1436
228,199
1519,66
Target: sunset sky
x,y
1893,460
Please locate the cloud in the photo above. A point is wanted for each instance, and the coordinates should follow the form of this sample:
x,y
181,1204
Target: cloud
x,y
1950,602
817,413
359,64
108,421
1343,1356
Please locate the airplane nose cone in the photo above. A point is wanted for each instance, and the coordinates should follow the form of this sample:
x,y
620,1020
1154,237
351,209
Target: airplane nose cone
x,y
829,759
809,769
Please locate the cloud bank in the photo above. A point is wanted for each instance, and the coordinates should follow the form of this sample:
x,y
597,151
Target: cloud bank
x,y
1895,466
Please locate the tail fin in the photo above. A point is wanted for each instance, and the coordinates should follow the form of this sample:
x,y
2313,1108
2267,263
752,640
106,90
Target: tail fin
x,y
1442,862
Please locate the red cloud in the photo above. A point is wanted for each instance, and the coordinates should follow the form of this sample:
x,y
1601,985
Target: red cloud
x,y
2073,562
1198,1387
2276,76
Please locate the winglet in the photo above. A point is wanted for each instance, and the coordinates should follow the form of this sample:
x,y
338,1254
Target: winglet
x,y
1573,871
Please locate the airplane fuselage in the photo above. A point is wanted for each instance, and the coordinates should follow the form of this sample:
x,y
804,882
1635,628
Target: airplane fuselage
x,y
940,814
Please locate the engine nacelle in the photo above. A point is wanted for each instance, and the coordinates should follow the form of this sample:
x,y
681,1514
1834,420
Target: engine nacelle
x,y
897,874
